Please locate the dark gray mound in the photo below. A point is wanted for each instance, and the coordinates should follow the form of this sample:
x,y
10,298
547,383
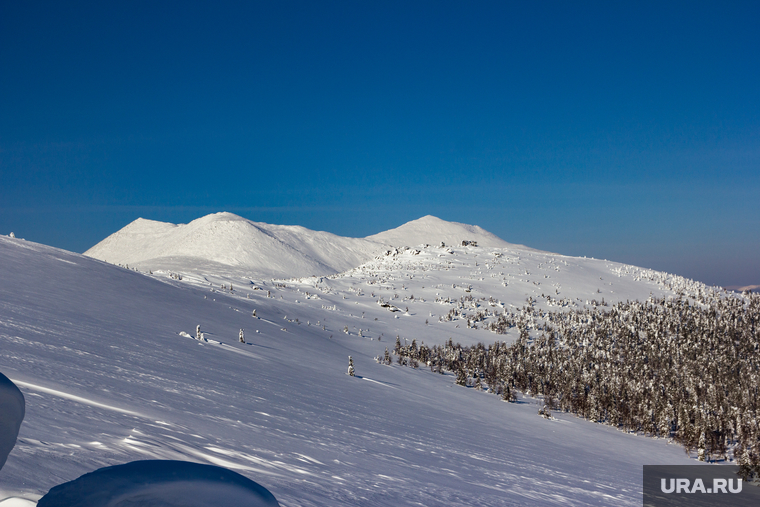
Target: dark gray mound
x,y
159,483
12,408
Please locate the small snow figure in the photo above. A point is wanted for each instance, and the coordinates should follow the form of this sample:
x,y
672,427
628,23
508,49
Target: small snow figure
x,y
701,447
351,366
241,336
254,312
198,332
12,235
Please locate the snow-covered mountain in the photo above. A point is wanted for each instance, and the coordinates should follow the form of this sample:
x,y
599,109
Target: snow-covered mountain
x,y
433,231
111,370
222,242
226,243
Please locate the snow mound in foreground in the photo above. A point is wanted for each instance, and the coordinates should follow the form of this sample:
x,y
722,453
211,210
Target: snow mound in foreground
x,y
17,502
12,409
159,483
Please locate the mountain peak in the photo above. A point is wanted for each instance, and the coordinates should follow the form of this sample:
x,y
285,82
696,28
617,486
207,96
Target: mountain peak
x,y
221,216
433,230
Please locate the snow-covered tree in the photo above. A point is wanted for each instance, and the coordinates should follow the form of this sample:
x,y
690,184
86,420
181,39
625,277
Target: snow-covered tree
x,y
701,449
351,366
673,368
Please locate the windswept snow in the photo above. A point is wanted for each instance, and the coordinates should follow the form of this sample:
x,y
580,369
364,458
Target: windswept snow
x,y
11,415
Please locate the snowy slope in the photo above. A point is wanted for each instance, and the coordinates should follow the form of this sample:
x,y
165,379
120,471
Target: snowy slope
x,y
108,378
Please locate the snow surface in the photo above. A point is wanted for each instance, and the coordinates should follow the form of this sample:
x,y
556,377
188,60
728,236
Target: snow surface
x,y
107,360
11,415
159,483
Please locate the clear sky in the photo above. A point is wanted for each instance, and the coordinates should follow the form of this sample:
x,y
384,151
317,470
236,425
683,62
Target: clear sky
x,y
621,130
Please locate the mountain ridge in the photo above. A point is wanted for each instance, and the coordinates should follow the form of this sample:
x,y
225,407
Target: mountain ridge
x,y
231,242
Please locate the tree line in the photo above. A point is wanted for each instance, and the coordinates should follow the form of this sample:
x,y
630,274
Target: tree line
x,y
679,368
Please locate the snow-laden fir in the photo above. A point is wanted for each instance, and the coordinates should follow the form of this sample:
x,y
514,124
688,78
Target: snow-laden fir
x,y
108,360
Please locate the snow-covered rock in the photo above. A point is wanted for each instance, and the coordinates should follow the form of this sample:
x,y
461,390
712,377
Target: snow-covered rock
x,y
12,409
159,483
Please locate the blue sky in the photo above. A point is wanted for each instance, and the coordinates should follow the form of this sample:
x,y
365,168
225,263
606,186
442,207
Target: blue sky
x,y
626,131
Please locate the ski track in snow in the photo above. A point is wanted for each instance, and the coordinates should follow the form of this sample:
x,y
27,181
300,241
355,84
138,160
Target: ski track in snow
x,y
75,398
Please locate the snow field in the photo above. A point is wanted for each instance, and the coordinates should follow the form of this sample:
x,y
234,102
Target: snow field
x,y
108,378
